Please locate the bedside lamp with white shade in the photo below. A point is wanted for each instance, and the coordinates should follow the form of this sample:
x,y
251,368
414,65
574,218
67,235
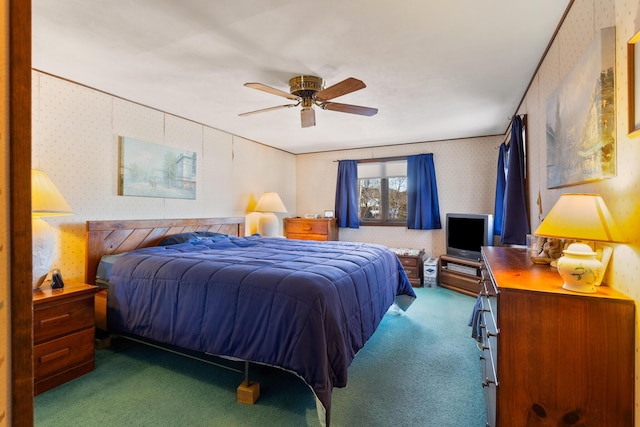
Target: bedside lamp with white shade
x,y
269,204
46,200
581,217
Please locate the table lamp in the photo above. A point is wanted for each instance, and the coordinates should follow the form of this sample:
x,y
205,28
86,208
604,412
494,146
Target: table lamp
x,y
581,217
269,203
46,200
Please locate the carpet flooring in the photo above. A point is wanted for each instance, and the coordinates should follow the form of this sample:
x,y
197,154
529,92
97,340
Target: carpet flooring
x,y
420,368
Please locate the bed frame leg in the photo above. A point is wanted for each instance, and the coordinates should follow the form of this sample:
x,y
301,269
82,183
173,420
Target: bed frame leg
x,y
249,391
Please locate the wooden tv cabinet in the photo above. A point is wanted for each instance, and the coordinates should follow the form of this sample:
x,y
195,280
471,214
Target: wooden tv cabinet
x,y
460,274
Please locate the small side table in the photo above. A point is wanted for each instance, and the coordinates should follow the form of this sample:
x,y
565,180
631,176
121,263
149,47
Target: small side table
x,y
412,260
63,334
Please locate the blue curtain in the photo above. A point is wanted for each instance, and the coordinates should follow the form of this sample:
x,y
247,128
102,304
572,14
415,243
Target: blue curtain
x,y
515,222
423,208
347,194
498,209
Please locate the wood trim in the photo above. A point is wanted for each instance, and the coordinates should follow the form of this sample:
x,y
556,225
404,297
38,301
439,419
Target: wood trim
x,y
20,213
631,83
113,237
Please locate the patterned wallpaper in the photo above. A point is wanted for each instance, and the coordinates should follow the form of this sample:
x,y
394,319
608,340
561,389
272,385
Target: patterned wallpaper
x,y
75,140
465,173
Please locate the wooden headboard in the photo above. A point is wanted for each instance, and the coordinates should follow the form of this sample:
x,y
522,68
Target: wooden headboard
x,y
113,237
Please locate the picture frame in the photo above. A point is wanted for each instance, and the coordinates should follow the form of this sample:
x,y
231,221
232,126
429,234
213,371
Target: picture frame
x,y
146,169
633,75
328,214
581,118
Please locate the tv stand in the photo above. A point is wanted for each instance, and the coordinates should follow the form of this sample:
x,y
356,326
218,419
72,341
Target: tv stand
x,y
460,274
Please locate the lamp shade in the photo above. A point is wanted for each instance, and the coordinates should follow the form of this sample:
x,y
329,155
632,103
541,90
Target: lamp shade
x,y
46,200
580,217
270,202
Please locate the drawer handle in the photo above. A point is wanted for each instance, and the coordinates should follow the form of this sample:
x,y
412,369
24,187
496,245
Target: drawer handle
x,y
54,320
307,228
55,355
487,381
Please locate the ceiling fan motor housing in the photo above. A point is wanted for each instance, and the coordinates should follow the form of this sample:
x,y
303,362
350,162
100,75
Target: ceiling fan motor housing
x,y
305,86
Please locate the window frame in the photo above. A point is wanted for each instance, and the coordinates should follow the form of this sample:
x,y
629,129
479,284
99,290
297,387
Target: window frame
x,y
384,197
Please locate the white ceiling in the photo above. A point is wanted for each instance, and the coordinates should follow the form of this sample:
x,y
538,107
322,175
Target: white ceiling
x,y
435,69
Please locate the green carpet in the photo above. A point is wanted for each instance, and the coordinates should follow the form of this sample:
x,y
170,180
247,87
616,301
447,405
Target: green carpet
x,y
420,368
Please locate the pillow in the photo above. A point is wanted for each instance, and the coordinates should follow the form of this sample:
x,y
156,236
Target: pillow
x,y
188,237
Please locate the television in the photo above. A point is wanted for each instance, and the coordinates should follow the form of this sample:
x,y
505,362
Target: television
x,y
467,233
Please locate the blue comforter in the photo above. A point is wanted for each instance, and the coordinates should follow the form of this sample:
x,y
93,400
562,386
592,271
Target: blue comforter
x,y
304,306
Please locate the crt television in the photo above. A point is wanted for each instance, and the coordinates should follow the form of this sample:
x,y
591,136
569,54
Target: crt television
x,y
467,233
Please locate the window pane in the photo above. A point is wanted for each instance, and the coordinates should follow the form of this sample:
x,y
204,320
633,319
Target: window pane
x,y
369,195
397,198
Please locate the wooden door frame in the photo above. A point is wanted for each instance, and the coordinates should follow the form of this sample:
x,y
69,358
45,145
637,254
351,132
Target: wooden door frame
x,y
20,212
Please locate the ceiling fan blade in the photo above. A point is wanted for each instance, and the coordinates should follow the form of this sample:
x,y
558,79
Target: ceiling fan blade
x,y
264,110
271,90
348,108
344,87
308,117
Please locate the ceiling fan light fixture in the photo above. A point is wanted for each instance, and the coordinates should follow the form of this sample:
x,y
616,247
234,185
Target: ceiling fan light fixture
x,y
308,117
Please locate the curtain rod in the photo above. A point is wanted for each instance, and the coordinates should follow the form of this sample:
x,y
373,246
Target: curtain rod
x,y
381,159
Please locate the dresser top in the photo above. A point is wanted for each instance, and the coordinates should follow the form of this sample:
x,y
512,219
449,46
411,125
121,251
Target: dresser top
x,y
511,268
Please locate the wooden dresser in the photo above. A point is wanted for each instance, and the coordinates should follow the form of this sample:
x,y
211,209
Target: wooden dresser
x,y
311,229
551,356
63,334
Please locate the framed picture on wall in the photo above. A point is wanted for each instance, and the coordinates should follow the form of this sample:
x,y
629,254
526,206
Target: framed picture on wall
x,y
633,73
581,121
153,170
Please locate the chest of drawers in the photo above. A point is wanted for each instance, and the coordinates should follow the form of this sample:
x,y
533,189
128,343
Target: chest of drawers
x,y
551,356
311,228
63,334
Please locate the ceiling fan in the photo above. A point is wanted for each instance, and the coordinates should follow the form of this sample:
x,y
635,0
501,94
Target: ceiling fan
x,y
308,91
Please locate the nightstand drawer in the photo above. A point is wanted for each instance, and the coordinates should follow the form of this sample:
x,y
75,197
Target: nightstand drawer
x,y
408,262
412,273
63,353
61,318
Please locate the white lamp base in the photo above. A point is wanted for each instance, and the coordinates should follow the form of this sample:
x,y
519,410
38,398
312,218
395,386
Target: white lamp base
x,y
580,269
43,247
268,224
585,289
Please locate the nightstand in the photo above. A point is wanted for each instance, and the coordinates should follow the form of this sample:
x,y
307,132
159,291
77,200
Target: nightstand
x,y
412,262
63,334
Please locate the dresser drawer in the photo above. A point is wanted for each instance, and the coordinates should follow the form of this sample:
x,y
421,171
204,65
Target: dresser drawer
x,y
301,236
59,318
63,353
307,227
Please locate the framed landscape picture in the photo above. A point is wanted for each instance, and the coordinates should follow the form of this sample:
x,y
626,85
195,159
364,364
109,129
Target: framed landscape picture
x,y
581,121
153,170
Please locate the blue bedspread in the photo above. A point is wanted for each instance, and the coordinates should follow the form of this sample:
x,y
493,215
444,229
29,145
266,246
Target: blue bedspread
x,y
304,306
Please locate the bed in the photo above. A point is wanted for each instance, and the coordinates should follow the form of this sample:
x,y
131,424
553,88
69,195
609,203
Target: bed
x,y
304,306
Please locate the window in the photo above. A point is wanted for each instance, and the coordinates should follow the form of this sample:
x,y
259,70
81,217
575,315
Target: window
x,y
382,192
